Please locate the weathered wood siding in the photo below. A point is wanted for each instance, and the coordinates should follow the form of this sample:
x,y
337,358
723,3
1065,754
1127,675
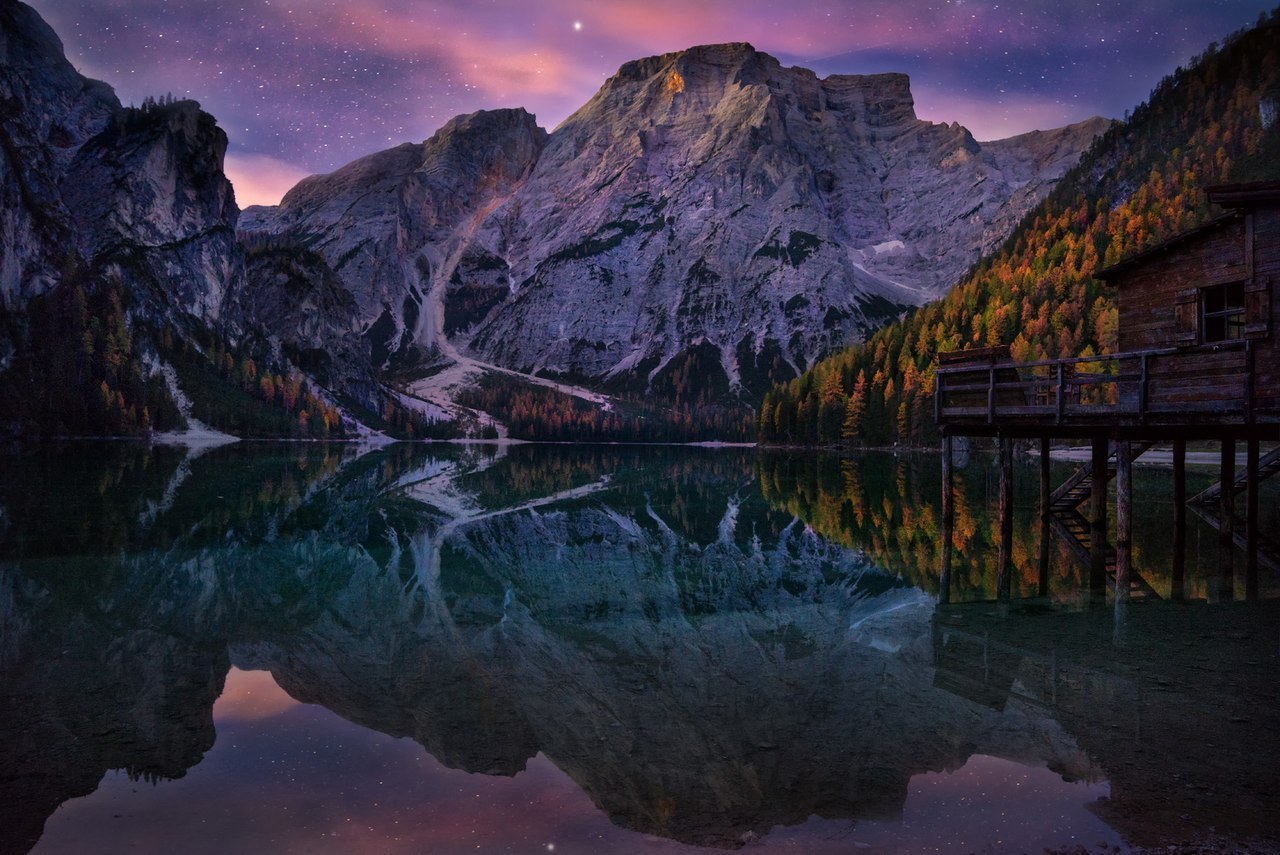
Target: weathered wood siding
x,y
1266,273
1149,292
1158,309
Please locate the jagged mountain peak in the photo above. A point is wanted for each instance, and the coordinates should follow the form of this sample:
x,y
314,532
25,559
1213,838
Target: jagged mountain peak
x,y
705,81
707,201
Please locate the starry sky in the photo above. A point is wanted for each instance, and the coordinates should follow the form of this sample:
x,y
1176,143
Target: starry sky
x,y
304,86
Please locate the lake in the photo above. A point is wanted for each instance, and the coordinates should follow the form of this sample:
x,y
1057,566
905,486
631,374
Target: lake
x,y
271,647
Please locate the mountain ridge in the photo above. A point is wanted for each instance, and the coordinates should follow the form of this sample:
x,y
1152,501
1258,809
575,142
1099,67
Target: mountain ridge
x,y
708,222
606,259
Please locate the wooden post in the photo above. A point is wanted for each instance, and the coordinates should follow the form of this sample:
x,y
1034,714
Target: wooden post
x,y
1045,486
1227,520
1251,521
1005,557
1124,519
1178,583
1044,517
1120,624
948,520
1098,521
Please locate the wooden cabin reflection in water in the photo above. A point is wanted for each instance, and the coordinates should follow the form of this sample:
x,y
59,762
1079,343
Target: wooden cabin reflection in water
x,y
1198,360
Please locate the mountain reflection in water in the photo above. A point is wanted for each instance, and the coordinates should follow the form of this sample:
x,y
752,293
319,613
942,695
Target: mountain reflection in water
x,y
711,644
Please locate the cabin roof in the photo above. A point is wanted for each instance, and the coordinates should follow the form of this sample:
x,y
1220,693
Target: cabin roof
x,y
1114,271
1237,198
1245,196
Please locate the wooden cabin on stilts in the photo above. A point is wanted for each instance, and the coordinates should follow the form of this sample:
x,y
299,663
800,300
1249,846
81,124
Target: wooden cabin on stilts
x,y
1198,362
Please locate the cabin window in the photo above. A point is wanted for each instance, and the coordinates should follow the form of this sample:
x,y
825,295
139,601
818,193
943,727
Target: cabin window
x,y
1222,312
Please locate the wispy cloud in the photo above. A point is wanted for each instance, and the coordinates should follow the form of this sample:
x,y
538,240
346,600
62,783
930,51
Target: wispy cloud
x,y
260,179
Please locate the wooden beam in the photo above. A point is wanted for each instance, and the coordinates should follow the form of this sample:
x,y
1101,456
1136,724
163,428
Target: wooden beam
x,y
948,520
1098,521
1178,584
1124,519
1005,557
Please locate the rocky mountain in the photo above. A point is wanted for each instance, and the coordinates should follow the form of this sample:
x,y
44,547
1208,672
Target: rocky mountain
x,y
47,112
709,200
118,254
133,194
708,219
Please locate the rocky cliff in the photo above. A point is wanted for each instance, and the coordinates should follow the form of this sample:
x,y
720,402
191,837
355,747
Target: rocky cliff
x,y
47,112
707,199
134,194
130,208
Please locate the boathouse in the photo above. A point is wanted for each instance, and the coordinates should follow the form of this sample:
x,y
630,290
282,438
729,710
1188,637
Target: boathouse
x,y
1198,360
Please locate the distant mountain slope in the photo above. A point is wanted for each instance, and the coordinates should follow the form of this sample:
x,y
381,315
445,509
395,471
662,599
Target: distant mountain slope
x,y
1142,181
705,202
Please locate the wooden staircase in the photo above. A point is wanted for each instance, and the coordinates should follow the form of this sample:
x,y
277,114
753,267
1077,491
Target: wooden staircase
x,y
1077,489
1268,465
1268,547
1076,532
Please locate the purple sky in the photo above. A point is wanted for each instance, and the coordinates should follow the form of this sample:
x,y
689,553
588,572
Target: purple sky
x,y
305,86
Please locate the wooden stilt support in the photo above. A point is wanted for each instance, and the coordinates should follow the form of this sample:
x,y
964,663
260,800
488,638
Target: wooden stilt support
x,y
1177,590
1124,520
1045,485
1251,521
948,520
1120,624
1005,559
1045,511
1227,520
1098,522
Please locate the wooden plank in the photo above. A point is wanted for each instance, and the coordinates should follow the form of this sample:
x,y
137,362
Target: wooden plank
x,y
998,353
1185,316
1257,308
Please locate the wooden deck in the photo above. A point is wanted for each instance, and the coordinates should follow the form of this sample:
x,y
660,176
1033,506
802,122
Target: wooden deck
x,y
1173,392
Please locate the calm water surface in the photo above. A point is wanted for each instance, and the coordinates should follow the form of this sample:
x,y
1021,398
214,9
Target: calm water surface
x,y
296,648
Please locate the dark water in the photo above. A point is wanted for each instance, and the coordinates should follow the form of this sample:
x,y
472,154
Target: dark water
x,y
298,648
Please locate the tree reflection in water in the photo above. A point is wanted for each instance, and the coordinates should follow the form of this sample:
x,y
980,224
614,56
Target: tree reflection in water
x,y
711,643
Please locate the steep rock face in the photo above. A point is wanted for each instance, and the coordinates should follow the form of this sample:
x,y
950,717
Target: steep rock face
x,y
705,199
47,111
133,194
294,299
714,196
149,196
390,223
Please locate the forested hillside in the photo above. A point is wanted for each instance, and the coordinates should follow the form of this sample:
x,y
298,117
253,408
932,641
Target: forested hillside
x,y
1141,182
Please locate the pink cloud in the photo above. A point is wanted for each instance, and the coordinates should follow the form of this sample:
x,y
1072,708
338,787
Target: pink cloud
x,y
996,118
259,179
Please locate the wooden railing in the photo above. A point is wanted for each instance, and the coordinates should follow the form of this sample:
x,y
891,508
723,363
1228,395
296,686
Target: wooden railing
x,y
1206,381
